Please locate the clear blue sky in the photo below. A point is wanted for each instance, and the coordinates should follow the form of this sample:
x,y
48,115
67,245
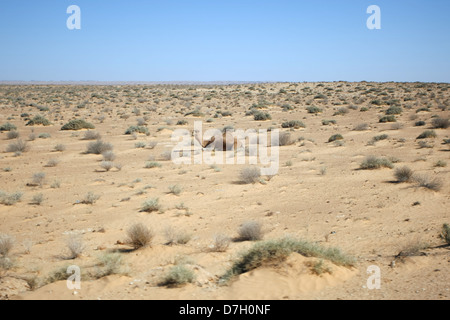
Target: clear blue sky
x,y
225,40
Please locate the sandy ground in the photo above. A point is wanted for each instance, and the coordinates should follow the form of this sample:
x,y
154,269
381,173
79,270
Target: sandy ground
x,y
319,194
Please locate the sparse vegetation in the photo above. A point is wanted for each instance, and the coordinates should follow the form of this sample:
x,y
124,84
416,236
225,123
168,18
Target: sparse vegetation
x,y
274,252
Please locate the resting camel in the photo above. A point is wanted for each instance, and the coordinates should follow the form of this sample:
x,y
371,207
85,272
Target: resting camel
x,y
226,142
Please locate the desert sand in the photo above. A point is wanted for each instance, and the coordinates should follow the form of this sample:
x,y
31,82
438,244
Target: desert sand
x,y
320,193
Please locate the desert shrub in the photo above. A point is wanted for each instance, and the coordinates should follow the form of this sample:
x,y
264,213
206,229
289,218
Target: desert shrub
x,y
313,109
110,263
424,144
427,134
328,122
151,205
140,145
335,137
440,164
52,163
182,122
77,125
176,237
107,165
152,164
56,184
261,116
13,134
38,179
98,147
6,244
423,109
37,199
319,268
364,109
90,198
176,190
420,123
221,243
390,118
296,124
285,139
92,135
428,182
380,137
178,275
403,174
250,175
60,147
394,110
440,123
196,113
287,107
75,246
372,162
38,120
44,135
108,156
137,129
250,231
9,199
139,236
446,233
7,127
341,112
276,251
166,156
17,146
361,127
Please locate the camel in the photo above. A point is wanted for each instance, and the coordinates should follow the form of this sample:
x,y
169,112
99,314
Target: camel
x,y
226,142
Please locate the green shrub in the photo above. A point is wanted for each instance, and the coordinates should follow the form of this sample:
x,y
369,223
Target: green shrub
x,y
7,127
394,110
138,129
261,116
276,251
427,134
77,125
390,118
38,120
293,124
178,275
314,110
335,138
